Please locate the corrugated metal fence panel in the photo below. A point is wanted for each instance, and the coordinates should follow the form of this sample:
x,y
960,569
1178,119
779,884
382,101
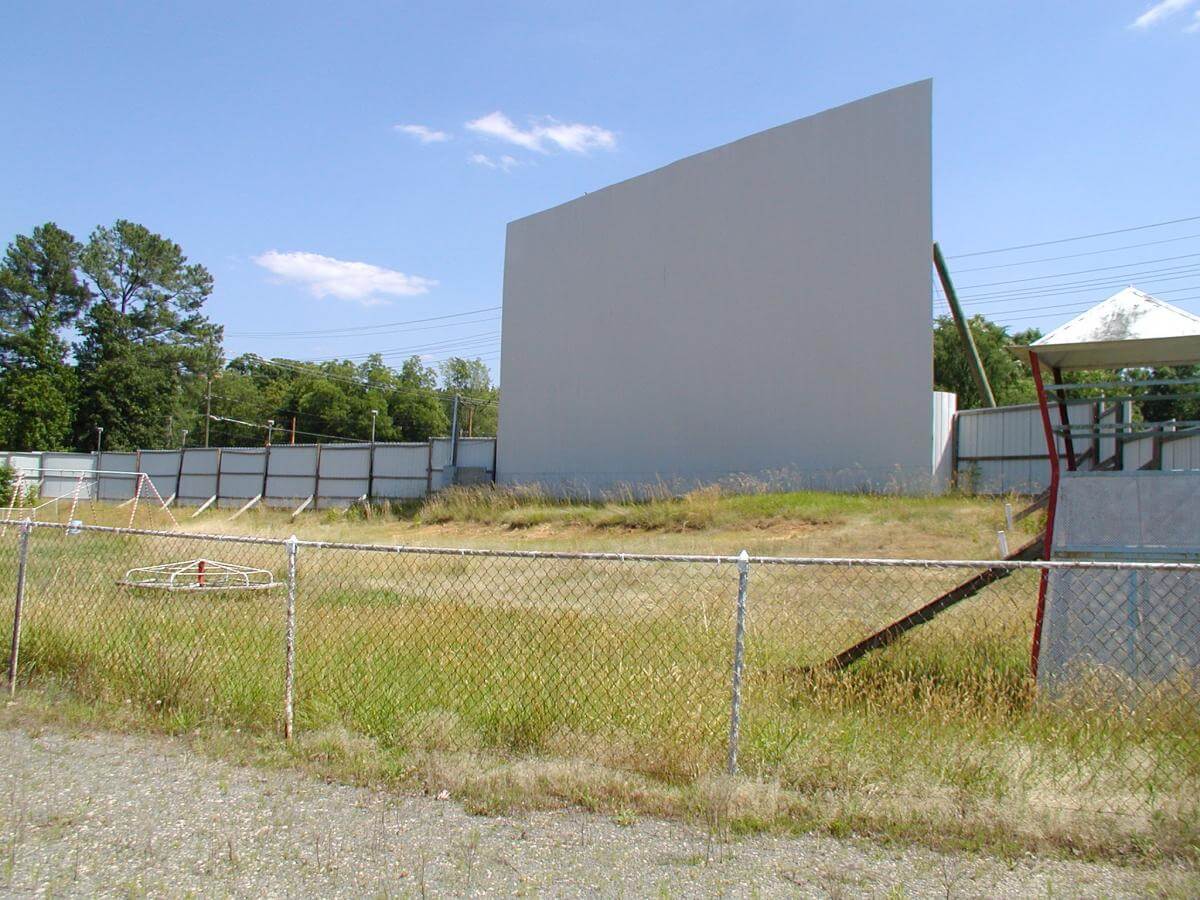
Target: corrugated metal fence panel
x,y
1183,453
441,459
242,474
1006,447
114,483
401,470
61,471
163,468
199,479
343,473
476,453
292,475
30,464
944,404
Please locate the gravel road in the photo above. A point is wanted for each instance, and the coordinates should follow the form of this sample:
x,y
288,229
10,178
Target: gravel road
x,y
132,815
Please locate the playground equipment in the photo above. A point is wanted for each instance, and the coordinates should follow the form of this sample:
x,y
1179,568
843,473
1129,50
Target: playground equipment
x,y
199,575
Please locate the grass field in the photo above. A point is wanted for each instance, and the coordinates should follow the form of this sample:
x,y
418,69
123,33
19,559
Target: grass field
x,y
514,681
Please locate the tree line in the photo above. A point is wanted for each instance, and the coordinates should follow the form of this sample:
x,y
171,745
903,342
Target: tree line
x,y
107,340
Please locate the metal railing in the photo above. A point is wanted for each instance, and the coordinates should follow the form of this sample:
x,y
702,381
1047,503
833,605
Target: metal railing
x,y
667,665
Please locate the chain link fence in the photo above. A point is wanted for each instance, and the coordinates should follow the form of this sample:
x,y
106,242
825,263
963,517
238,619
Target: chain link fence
x,y
877,686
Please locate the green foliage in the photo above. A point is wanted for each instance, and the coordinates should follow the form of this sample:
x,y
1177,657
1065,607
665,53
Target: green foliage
x,y
40,293
1010,378
471,381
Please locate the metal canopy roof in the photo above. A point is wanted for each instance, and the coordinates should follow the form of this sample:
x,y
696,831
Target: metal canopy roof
x,y
1130,328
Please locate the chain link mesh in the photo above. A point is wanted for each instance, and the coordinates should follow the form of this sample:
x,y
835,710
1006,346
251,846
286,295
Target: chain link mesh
x,y
627,661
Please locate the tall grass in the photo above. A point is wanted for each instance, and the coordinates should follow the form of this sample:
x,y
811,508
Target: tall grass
x,y
627,666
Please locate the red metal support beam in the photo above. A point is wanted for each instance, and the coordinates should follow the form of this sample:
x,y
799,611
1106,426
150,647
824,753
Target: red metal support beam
x,y
1051,510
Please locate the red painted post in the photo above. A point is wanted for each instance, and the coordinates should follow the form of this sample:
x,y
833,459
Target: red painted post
x,y
1051,509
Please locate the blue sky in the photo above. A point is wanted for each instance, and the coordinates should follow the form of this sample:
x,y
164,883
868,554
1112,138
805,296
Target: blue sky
x,y
270,140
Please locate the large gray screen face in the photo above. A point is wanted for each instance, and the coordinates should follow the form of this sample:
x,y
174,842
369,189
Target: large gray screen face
x,y
760,308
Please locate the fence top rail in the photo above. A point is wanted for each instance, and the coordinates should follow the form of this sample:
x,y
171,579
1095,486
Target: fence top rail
x,y
843,561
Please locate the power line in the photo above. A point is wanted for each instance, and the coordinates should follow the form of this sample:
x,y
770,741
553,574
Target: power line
x,y
284,429
1083,307
1074,287
382,331
1144,262
1079,237
326,332
1030,262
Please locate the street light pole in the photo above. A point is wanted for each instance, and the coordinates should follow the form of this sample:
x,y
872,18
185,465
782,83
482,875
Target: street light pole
x,y
374,415
270,428
183,443
99,437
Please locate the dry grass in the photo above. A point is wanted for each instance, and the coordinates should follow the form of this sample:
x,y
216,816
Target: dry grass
x,y
514,683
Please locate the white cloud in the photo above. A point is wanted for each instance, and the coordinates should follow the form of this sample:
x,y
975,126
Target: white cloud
x,y
545,135
325,276
505,163
424,133
1162,10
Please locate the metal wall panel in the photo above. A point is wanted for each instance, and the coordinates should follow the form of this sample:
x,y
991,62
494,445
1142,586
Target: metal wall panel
x,y
162,467
1183,453
241,474
199,479
61,471
343,473
292,475
1005,447
401,470
113,486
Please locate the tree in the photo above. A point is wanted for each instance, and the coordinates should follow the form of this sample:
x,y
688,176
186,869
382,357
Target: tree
x,y
1010,378
415,408
471,380
40,294
146,340
121,391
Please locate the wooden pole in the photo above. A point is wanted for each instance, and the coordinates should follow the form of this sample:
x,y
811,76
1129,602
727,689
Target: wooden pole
x,y
973,361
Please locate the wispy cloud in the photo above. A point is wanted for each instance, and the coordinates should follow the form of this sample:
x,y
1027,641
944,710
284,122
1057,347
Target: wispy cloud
x,y
544,135
1162,10
1195,26
325,276
423,133
504,163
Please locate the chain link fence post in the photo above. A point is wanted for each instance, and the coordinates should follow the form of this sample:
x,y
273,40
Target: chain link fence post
x,y
22,559
739,652
289,667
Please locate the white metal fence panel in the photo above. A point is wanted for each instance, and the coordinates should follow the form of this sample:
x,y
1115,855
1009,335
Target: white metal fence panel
x,y
401,471
292,476
199,480
944,406
61,474
344,473
114,482
1004,449
162,467
242,474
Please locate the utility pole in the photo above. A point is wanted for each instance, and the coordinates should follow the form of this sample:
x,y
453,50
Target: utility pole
x,y
270,428
183,443
454,432
964,331
374,415
371,464
207,405
99,436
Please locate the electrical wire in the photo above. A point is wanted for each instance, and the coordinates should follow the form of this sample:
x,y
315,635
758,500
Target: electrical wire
x,y
1080,237
1030,262
327,332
